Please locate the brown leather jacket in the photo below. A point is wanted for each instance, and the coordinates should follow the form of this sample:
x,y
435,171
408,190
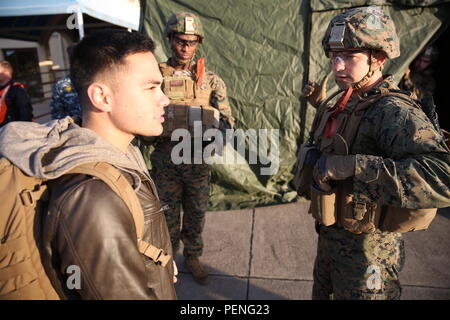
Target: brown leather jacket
x,y
90,227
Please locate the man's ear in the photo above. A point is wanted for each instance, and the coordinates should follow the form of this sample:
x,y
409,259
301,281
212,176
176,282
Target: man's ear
x,y
100,96
380,58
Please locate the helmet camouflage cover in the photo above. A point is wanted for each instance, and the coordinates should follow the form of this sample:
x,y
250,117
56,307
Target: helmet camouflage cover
x,y
184,22
362,28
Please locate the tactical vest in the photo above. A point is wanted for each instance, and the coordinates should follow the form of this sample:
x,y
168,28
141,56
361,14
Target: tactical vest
x,y
339,207
190,102
3,106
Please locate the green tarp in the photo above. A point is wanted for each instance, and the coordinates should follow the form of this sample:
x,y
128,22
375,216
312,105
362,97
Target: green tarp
x,y
265,51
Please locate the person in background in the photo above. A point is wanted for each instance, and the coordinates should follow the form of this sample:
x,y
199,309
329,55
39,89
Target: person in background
x,y
190,86
65,101
87,224
419,77
15,103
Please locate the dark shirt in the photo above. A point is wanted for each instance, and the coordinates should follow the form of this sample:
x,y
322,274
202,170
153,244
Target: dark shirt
x,y
18,103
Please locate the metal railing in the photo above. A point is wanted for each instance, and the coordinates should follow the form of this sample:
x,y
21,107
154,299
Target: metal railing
x,y
37,89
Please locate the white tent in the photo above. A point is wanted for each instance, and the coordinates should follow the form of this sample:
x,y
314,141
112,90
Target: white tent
x,y
125,13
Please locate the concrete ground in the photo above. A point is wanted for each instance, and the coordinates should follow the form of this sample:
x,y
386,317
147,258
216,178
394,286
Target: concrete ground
x,y
268,253
41,111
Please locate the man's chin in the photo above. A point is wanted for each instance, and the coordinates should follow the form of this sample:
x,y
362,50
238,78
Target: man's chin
x,y
182,61
155,132
343,85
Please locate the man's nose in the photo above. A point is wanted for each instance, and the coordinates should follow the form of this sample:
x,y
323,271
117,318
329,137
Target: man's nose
x,y
165,101
338,63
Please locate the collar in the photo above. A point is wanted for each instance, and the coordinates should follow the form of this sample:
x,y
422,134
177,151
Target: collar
x,y
386,83
170,62
6,84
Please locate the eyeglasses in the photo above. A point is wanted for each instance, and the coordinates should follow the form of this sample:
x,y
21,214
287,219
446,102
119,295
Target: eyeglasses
x,y
345,56
182,42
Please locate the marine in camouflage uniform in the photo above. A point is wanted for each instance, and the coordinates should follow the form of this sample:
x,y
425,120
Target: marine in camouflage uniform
x,y
65,101
419,78
187,185
394,159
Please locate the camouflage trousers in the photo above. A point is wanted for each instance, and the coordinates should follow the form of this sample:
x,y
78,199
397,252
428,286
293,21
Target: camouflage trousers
x,y
186,186
357,267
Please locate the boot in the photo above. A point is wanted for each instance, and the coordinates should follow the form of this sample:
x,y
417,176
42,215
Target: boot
x,y
198,271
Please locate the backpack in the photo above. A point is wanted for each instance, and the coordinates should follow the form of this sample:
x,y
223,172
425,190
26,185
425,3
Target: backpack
x,y
22,274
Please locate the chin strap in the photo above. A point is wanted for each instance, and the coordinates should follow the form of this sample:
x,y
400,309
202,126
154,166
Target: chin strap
x,y
361,83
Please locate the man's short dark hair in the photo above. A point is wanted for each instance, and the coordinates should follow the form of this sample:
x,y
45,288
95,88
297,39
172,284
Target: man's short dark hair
x,y
101,51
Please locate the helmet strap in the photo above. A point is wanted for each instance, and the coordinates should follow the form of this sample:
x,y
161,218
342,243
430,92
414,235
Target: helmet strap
x,y
372,63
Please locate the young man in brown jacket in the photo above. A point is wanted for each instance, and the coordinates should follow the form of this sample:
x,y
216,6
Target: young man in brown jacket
x,y
88,236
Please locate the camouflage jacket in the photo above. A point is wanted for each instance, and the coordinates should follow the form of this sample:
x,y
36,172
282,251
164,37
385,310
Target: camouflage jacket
x,y
219,98
65,101
401,159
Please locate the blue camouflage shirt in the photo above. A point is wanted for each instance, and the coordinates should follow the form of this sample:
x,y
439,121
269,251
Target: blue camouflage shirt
x,y
65,101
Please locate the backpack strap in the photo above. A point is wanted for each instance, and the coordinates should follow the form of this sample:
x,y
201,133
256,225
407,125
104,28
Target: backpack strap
x,y
120,185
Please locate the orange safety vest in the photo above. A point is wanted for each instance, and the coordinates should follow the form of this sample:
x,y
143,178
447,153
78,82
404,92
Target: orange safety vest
x,y
3,106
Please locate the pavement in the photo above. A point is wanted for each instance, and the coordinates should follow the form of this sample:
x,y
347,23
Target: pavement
x,y
41,110
268,253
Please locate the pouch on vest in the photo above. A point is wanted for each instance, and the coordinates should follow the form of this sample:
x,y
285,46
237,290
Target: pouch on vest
x,y
178,88
323,207
184,117
303,171
355,216
182,90
406,220
175,117
209,118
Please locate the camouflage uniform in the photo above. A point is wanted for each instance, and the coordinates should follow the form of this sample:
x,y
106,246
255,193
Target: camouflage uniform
x,y
187,185
352,266
65,101
400,162
182,185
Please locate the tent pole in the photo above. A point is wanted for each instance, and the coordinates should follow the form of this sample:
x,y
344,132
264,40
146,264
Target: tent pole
x,y
80,23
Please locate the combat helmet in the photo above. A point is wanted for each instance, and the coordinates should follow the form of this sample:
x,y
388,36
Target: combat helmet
x,y
362,28
186,23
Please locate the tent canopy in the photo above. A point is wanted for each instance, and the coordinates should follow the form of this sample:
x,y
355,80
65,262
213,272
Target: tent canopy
x,y
265,51
125,13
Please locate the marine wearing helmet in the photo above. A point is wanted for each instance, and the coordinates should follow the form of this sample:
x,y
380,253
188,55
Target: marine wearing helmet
x,y
361,29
